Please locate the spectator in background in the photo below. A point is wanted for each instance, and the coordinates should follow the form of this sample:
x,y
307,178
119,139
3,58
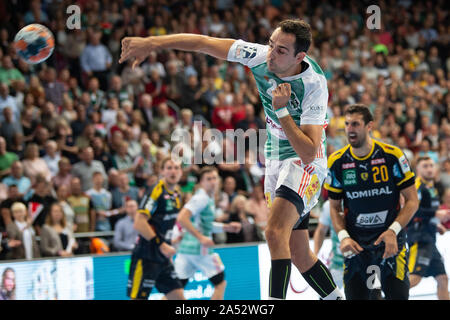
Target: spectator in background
x,y
256,206
7,100
250,121
96,60
33,165
56,238
62,194
6,159
156,88
101,153
21,229
117,90
40,202
120,195
146,108
123,162
18,179
8,72
229,187
125,234
54,89
85,168
163,122
64,175
102,202
5,206
153,64
85,215
9,128
52,157
238,213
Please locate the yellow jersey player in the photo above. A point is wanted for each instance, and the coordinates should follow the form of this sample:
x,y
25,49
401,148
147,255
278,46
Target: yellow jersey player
x,y
368,177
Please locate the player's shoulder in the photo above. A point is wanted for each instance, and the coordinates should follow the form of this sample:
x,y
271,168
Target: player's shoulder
x,y
337,155
389,149
249,53
157,190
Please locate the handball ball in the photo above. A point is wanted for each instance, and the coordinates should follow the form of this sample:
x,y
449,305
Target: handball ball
x,y
34,43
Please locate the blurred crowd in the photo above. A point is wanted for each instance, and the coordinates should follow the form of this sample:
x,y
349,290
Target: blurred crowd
x,y
82,136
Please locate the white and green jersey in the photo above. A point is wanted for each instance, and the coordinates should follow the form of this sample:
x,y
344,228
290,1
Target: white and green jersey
x,y
202,207
308,103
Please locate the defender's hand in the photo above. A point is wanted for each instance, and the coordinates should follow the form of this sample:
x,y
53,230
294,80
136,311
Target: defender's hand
x,y
390,241
167,250
136,47
350,247
281,96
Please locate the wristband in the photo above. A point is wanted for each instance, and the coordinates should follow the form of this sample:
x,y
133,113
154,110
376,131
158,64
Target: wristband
x,y
281,113
156,241
343,234
396,227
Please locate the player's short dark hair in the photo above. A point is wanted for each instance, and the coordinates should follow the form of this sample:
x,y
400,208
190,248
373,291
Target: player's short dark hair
x,y
302,32
422,158
360,109
206,170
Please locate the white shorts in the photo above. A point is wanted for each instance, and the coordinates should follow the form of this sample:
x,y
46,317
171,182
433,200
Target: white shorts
x,y
304,180
187,264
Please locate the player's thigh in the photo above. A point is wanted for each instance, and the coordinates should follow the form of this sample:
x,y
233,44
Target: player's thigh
x,y
394,276
177,294
184,266
210,265
168,281
141,279
420,258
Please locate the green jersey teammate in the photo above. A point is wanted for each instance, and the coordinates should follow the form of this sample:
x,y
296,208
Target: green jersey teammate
x,y
294,94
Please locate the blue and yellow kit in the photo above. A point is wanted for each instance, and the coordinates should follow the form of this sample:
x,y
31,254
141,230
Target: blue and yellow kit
x,y
161,206
149,267
425,260
370,189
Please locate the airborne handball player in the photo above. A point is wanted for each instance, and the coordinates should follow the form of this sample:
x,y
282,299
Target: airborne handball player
x,y
294,93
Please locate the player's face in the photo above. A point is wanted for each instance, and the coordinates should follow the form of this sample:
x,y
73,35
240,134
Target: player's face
x,y
356,130
172,172
426,169
210,181
281,56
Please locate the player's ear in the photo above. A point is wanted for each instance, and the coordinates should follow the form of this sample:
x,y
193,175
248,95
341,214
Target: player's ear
x,y
300,56
370,125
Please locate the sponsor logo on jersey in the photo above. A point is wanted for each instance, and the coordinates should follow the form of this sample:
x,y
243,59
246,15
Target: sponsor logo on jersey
x,y
245,52
404,164
364,176
348,165
364,166
170,216
377,161
373,219
368,193
397,172
349,177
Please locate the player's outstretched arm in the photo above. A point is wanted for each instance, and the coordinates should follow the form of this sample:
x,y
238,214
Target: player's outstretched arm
x,y
139,48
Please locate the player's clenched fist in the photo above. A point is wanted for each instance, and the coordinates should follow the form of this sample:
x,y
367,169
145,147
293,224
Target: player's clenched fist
x,y
136,47
281,95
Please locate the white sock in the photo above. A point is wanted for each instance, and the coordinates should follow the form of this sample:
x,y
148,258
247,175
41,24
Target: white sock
x,y
272,298
335,295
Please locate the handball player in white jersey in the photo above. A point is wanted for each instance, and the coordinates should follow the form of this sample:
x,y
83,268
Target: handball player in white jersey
x,y
294,94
